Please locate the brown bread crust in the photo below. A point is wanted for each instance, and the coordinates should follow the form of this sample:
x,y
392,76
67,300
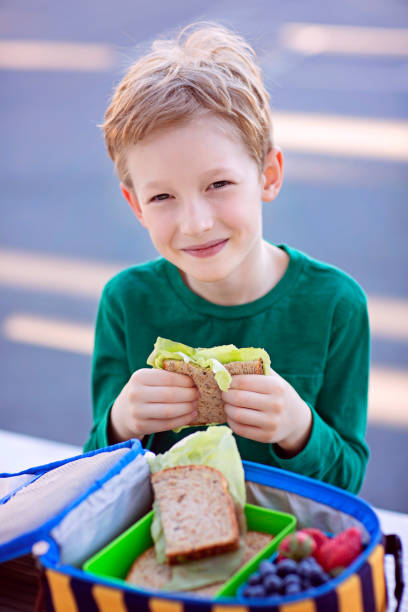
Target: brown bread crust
x,y
196,511
148,573
210,405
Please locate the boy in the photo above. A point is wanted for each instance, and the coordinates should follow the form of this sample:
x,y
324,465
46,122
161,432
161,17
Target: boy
x,y
189,129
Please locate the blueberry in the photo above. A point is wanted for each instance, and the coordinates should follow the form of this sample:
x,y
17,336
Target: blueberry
x,y
293,588
266,567
254,591
254,580
318,576
291,578
305,569
325,577
287,566
312,562
272,584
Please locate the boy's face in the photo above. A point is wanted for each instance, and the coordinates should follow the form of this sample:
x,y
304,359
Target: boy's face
x,y
199,193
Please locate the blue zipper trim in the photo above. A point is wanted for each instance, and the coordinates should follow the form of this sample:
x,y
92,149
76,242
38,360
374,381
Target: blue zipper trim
x,y
46,467
23,544
19,488
40,470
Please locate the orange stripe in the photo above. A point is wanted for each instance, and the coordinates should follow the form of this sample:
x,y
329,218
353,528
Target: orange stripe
x,y
349,595
164,605
217,608
376,560
62,597
108,599
306,605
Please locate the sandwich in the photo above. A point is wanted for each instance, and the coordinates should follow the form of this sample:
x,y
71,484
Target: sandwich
x,y
199,526
146,572
196,511
211,370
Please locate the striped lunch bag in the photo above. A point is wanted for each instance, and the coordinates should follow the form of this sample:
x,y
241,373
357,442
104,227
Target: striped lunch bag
x,y
63,513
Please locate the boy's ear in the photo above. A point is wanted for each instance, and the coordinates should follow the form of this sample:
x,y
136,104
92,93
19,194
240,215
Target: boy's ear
x,y
272,175
133,202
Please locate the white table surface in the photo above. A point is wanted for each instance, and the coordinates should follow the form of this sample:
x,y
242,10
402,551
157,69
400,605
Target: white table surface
x,y
19,452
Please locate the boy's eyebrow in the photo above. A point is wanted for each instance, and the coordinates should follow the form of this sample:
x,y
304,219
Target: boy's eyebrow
x,y
220,170
153,184
157,184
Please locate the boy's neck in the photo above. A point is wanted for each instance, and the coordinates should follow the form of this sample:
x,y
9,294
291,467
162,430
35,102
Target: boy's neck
x,y
261,274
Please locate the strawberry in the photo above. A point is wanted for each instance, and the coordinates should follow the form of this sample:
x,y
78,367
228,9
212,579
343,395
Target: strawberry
x,y
340,551
297,546
318,536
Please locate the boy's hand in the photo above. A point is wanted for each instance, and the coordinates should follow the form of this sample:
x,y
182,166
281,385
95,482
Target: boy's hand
x,y
268,409
153,400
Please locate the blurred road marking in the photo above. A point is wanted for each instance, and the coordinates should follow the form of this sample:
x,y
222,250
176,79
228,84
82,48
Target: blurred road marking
x,y
49,333
54,274
325,170
388,396
343,136
388,318
76,277
307,38
311,38
55,55
334,135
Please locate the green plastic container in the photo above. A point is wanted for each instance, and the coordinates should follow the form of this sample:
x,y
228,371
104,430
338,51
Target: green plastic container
x,y
259,519
114,561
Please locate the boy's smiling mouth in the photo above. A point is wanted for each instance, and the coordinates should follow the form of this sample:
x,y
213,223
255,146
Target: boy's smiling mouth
x,y
207,249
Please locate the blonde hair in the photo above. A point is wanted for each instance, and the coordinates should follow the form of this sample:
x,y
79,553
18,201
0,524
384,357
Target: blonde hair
x,y
205,68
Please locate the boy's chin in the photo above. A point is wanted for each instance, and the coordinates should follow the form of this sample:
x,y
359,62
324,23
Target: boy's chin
x,y
215,275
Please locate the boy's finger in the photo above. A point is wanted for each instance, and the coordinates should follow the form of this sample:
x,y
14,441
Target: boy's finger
x,y
246,399
170,411
255,382
159,378
155,425
169,395
243,416
246,431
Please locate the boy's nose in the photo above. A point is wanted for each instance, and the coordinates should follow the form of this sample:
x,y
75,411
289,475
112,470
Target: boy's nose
x,y
196,217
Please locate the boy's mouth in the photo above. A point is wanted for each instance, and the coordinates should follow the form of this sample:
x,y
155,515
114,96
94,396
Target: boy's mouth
x,y
207,249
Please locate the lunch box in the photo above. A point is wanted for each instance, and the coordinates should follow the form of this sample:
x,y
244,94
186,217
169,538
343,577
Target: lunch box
x,y
62,515
115,560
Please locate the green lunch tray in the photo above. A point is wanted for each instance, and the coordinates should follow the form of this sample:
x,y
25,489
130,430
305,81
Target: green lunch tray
x,y
114,561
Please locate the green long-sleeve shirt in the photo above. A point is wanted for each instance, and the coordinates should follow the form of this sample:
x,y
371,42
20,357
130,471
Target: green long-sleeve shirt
x,y
313,324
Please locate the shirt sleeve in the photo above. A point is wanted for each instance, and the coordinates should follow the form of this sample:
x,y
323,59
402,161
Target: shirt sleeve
x,y
110,368
336,451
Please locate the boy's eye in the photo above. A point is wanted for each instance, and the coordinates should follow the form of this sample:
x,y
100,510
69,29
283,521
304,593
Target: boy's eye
x,y
160,196
219,184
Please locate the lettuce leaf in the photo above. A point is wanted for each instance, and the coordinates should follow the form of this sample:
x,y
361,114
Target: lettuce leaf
x,y
215,447
207,358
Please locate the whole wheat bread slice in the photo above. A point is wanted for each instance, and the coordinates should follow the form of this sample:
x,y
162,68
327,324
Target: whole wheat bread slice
x,y
210,405
148,573
196,511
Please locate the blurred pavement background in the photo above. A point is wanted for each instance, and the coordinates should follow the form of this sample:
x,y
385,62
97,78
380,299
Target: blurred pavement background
x,y
338,79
